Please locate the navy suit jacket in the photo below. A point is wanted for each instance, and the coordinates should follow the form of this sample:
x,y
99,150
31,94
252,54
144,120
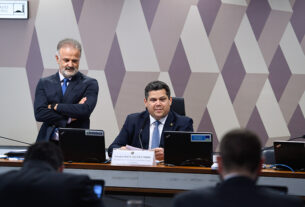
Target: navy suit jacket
x,y
38,184
235,192
136,127
48,91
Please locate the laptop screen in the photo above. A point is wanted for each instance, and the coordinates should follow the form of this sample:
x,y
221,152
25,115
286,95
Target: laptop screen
x,y
188,148
82,145
290,153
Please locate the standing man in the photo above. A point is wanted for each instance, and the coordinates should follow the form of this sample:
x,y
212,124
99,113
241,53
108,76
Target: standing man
x,y
144,130
239,165
40,182
67,98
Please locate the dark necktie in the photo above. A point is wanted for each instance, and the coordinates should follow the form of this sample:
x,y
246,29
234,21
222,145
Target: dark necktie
x,y
155,142
64,85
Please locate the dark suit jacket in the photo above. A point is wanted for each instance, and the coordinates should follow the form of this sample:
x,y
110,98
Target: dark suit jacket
x,y
48,91
136,127
38,184
235,192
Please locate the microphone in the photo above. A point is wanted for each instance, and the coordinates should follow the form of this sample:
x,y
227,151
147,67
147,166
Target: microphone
x,y
140,132
14,140
291,139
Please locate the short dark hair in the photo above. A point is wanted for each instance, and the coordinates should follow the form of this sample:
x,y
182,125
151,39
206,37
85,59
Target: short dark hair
x,y
71,42
155,86
45,151
240,149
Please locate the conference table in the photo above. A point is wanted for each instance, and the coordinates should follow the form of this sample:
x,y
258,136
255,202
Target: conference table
x,y
161,179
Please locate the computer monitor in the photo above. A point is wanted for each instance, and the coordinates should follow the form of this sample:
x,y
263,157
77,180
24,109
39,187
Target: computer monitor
x,y
183,148
290,153
82,145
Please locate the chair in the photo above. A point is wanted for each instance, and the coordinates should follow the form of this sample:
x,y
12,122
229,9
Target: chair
x,y
268,154
178,105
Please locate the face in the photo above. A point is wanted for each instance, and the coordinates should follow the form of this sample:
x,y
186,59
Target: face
x,y
68,61
158,104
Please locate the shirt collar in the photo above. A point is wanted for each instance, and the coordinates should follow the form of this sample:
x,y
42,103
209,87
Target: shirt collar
x,y
61,77
152,119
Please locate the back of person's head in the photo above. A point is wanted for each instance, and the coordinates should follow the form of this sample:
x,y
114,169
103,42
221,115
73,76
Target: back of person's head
x,y
240,149
155,86
47,152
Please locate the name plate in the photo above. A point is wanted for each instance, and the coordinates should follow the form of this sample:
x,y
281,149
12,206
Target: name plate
x,y
133,157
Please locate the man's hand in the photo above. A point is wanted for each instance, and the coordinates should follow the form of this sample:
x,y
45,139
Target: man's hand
x,y
159,153
123,148
83,100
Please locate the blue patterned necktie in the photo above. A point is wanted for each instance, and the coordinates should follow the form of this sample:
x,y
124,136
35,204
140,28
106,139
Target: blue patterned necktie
x,y
64,85
155,142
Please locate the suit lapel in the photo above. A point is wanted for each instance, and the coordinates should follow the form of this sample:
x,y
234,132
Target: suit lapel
x,y
57,83
72,84
168,126
145,133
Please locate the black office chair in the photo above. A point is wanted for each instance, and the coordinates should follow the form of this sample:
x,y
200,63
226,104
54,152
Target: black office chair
x,y
178,105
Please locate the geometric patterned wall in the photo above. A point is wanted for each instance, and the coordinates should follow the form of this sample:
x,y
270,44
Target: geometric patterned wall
x,y
237,63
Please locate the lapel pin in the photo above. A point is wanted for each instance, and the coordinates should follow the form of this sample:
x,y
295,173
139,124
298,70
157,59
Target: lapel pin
x,y
171,124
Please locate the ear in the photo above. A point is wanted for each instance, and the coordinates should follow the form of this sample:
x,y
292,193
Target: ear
x,y
260,166
57,58
219,162
170,101
145,102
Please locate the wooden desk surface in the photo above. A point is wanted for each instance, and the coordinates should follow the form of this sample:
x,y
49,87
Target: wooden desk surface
x,y
159,168
169,179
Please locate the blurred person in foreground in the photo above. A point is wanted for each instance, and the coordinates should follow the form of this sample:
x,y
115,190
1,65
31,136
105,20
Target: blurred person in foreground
x,y
239,165
41,182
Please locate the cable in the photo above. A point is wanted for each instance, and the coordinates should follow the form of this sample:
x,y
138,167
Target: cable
x,y
14,140
282,165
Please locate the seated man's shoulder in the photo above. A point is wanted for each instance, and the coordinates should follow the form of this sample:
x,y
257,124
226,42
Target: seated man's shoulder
x,y
279,199
137,115
194,197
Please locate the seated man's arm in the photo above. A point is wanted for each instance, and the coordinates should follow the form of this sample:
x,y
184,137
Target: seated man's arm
x,y
123,138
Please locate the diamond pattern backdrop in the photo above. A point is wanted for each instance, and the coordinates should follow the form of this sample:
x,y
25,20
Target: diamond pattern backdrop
x,y
237,63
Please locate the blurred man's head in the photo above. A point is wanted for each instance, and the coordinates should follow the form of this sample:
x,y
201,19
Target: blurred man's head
x,y
47,152
157,99
240,153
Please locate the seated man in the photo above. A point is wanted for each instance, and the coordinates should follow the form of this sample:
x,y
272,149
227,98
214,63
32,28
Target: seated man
x,y
144,129
239,165
40,182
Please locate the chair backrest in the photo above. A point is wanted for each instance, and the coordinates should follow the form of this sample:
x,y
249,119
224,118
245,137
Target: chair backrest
x,y
178,105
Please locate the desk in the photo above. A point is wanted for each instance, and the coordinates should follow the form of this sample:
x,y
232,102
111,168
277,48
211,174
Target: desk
x,y
167,180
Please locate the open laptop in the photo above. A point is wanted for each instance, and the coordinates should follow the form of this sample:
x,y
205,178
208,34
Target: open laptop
x,y
188,148
82,145
290,153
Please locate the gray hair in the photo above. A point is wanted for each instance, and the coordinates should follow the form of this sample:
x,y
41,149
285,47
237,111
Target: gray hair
x,y
70,42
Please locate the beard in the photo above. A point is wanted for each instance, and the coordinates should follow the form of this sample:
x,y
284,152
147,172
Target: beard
x,y
68,72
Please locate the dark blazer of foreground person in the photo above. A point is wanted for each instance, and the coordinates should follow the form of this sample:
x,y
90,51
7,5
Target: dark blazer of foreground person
x,y
39,183
239,165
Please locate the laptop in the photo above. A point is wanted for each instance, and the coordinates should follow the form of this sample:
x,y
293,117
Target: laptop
x,y
82,145
290,153
188,148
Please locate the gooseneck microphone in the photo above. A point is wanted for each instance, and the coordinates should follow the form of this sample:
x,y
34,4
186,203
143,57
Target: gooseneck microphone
x,y
14,140
141,130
